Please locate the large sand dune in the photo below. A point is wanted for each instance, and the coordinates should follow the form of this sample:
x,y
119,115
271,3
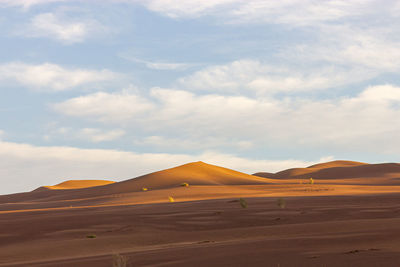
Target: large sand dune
x,y
349,217
196,173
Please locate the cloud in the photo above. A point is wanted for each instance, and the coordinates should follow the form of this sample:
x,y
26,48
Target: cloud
x,y
24,167
371,49
159,65
291,12
27,3
187,143
52,77
253,76
94,135
118,107
61,28
2,133
296,13
97,135
166,66
186,8
363,121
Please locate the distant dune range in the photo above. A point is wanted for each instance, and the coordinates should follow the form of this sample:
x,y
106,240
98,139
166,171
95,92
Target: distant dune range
x,y
207,181
358,172
348,217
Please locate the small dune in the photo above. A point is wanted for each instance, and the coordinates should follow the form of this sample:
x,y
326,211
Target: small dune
x,y
76,184
337,163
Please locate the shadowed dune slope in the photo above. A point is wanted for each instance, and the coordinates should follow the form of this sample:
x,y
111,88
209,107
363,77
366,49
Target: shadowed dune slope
x,y
196,173
338,170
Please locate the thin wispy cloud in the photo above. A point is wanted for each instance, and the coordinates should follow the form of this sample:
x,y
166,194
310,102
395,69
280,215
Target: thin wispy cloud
x,y
51,77
61,28
159,65
253,76
27,3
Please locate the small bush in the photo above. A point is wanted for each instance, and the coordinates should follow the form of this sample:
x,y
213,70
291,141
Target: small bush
x,y
243,202
145,189
91,236
281,203
171,199
311,181
119,260
184,184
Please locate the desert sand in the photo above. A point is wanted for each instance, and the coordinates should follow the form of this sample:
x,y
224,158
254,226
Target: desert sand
x,y
191,215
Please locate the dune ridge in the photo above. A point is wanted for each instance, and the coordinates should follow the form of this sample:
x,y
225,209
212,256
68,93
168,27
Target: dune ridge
x,y
339,170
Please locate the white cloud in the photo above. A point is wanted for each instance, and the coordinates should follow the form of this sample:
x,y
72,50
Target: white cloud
x,y
372,49
52,77
186,8
290,12
201,144
362,121
97,135
61,28
166,66
94,135
252,76
24,167
293,12
158,65
118,107
27,3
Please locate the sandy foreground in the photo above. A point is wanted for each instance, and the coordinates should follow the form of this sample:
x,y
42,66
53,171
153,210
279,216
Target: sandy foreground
x,y
351,221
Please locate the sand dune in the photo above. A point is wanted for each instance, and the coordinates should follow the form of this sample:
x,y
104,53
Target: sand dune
x,y
386,173
208,181
335,222
196,173
337,163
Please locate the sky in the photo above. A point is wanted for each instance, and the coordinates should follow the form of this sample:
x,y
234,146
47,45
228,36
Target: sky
x,y
115,89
